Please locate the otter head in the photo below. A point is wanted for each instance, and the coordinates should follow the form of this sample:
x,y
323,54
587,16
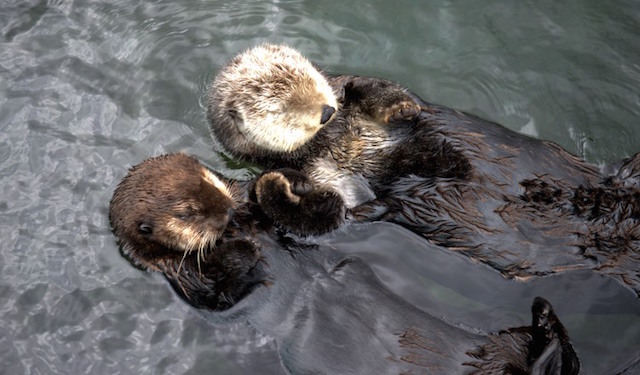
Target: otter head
x,y
167,207
270,97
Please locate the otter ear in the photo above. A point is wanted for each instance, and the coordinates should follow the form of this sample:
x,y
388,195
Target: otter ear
x,y
233,114
327,112
145,229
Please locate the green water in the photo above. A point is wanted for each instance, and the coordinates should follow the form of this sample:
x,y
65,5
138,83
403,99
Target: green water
x,y
89,88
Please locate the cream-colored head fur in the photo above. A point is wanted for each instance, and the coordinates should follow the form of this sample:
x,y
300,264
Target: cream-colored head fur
x,y
276,97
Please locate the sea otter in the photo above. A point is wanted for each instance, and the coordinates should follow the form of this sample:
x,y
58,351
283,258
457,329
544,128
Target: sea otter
x,y
523,206
327,310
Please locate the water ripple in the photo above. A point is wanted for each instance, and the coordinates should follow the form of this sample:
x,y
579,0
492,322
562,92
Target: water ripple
x,y
89,88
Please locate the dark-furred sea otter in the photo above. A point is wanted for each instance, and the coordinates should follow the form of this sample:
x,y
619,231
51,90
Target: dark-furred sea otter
x,y
327,311
524,206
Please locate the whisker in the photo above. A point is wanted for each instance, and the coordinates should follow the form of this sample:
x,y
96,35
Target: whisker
x,y
203,242
178,274
191,243
198,257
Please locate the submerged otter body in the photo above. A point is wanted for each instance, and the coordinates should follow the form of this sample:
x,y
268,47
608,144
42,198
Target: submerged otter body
x,y
328,311
519,204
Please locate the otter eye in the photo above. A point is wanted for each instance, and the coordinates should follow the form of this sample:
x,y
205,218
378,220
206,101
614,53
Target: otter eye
x,y
145,229
327,112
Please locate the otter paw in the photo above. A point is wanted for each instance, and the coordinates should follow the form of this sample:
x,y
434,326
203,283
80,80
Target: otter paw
x,y
298,181
271,187
403,111
222,277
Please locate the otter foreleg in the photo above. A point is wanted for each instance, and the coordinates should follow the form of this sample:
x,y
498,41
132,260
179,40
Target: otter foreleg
x,y
289,199
382,100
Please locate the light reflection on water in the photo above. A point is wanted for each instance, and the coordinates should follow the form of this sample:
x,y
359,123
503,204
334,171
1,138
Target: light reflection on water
x,y
90,88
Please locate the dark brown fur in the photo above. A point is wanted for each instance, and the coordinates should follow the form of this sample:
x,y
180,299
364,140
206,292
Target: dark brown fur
x,y
524,206
171,189
295,291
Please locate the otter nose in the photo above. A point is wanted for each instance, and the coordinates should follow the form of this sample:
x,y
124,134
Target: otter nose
x,y
327,112
220,221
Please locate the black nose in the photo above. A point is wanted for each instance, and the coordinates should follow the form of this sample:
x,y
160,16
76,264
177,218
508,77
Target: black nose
x,y
327,111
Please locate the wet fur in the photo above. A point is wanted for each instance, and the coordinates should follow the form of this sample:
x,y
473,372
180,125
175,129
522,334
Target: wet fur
x,y
268,71
300,293
524,206
168,215
172,214
289,198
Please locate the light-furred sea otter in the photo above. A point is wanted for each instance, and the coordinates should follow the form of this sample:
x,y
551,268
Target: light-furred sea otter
x,y
524,206
327,311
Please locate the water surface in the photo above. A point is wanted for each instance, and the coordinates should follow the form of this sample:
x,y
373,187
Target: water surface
x,y
89,88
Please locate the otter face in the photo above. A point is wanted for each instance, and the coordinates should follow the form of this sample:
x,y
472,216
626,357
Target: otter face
x,y
274,97
167,207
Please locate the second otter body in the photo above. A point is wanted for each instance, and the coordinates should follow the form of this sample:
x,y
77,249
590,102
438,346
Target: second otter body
x,y
327,310
521,205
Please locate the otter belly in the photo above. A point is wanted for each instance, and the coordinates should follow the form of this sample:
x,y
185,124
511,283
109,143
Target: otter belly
x,y
524,206
330,314
500,156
